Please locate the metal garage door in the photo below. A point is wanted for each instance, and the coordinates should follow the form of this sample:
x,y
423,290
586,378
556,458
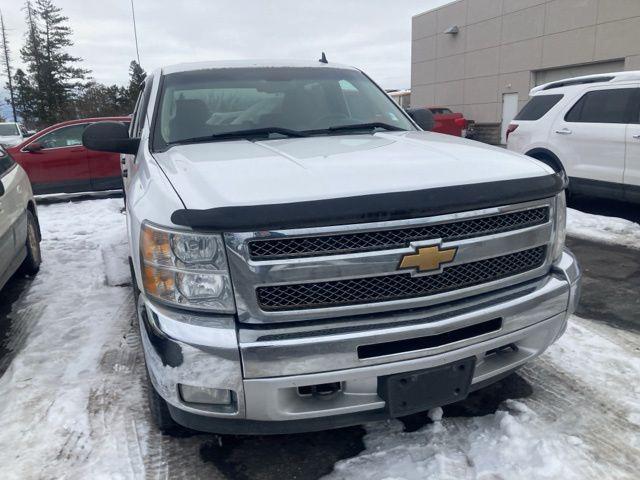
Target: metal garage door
x,y
553,74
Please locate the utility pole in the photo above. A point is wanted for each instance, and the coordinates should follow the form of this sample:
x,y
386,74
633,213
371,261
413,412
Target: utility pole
x,y
7,65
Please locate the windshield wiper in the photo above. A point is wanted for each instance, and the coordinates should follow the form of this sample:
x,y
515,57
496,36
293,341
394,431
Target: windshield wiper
x,y
240,134
359,126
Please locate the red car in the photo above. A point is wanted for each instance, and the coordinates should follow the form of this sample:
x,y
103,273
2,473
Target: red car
x,y
448,122
56,161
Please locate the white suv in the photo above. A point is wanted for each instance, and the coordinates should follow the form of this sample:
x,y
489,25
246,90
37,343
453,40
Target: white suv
x,y
590,128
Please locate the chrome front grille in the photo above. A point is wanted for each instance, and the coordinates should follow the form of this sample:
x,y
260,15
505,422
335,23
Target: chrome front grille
x,y
395,287
336,244
349,270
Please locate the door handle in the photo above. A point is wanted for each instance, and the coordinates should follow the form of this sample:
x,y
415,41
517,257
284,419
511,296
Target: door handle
x,y
564,131
637,136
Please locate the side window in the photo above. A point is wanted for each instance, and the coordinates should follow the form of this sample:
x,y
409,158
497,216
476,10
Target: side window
x,y
6,162
132,125
143,103
603,106
538,106
63,137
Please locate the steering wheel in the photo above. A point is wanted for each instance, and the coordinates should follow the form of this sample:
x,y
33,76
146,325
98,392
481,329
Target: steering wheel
x,y
329,119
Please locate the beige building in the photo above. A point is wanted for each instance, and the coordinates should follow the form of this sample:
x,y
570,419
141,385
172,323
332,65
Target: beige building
x,y
481,57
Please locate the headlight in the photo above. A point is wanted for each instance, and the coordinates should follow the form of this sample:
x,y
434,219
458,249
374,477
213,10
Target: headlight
x,y
561,226
185,269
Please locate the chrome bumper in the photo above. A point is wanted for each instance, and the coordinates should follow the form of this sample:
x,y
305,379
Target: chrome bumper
x,y
264,368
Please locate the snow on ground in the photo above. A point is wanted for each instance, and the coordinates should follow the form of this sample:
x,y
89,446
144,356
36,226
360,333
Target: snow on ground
x,y
582,422
73,401
73,404
611,230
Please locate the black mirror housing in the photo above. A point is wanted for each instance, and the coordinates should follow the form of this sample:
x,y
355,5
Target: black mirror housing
x,y
109,137
33,147
423,117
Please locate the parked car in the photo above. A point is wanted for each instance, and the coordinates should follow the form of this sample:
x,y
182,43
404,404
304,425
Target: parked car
x,y
304,259
449,122
56,161
19,229
588,127
12,133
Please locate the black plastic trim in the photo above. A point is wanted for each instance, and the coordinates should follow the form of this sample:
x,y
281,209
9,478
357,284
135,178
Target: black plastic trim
x,y
371,208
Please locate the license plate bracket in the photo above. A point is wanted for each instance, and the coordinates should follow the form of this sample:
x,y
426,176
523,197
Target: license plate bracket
x,y
411,392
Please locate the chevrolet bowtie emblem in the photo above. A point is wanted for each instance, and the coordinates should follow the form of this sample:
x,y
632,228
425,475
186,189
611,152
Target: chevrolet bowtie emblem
x,y
427,259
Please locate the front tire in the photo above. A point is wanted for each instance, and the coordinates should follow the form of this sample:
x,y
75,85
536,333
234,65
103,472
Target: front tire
x,y
31,264
160,412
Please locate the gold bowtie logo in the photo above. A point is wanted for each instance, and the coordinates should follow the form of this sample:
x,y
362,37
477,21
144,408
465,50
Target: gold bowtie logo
x,y
428,258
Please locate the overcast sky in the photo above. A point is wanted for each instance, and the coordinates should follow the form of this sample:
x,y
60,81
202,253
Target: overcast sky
x,y
374,35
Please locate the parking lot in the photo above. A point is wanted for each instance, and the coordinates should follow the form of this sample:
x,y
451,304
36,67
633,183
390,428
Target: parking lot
x,y
74,397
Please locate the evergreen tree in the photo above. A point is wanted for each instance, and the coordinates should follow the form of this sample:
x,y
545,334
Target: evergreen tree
x,y
6,64
136,76
99,100
25,99
53,79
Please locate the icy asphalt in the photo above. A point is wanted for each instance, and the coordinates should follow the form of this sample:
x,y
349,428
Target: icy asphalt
x,y
73,394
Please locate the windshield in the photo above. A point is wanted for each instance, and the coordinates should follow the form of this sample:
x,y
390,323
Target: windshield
x,y
218,101
8,129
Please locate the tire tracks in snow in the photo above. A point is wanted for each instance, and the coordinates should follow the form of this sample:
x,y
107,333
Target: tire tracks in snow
x,y
118,409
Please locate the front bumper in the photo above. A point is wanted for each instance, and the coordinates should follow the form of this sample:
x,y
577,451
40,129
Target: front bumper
x,y
264,369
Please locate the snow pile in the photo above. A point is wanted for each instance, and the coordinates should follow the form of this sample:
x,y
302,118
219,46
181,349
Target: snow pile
x,y
512,443
611,230
115,254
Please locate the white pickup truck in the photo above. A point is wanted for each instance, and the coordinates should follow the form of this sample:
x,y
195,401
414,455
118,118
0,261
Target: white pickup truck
x,y
306,257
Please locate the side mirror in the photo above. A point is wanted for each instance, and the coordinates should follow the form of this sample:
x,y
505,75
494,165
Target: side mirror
x,y
109,137
33,147
423,117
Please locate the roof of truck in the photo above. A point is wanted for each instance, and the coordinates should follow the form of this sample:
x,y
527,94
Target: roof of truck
x,y
188,67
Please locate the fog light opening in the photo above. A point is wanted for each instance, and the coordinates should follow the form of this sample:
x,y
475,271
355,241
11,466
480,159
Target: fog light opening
x,y
512,347
205,395
321,390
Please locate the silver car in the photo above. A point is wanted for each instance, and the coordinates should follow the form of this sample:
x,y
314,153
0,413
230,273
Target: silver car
x,y
19,228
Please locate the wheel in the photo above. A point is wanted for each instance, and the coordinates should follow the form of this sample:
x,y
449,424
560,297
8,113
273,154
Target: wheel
x,y
160,412
31,264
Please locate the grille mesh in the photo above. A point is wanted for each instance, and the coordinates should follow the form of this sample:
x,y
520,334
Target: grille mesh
x,y
397,238
395,287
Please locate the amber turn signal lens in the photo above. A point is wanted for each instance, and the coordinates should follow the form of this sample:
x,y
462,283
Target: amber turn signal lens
x,y
155,246
158,282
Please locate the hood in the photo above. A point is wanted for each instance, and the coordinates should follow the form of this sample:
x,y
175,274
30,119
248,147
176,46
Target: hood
x,y
10,140
245,173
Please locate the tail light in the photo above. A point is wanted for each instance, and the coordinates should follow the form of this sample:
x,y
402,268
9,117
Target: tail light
x,y
511,128
460,122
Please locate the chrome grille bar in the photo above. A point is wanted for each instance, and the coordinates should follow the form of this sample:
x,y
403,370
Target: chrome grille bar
x,y
316,245
395,287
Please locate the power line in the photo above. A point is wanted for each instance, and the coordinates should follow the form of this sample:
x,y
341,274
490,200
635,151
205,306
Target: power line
x,y
135,31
